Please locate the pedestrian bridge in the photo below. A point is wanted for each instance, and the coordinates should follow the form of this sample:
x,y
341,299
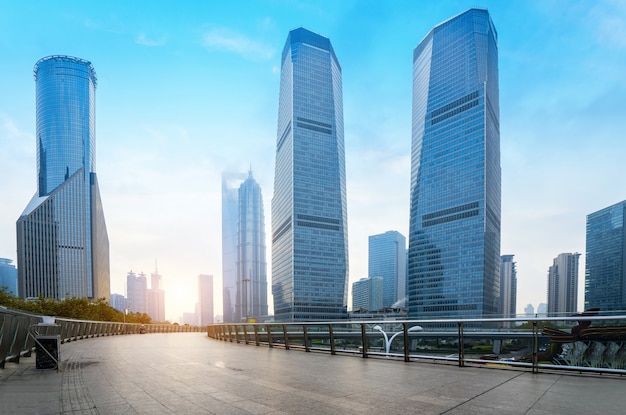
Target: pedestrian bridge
x,y
190,372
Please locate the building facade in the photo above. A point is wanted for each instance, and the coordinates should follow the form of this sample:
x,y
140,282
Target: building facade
x,y
118,302
368,294
136,292
205,310
8,275
454,234
309,211
387,259
155,297
230,216
563,285
62,241
508,288
251,253
605,265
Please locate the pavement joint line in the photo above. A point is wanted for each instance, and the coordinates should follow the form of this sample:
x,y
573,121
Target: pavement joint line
x,y
543,394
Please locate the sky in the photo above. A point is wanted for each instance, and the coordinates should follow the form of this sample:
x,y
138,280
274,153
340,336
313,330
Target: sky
x,y
187,90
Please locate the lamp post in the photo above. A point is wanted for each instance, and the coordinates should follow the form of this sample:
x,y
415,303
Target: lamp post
x,y
388,340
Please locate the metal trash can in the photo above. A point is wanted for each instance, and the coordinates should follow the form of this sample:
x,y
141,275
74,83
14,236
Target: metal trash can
x,y
48,350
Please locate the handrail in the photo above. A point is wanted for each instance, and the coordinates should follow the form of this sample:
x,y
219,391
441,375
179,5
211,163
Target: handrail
x,y
16,341
463,342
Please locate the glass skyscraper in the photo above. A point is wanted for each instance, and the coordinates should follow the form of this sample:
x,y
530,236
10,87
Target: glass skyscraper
x,y
387,259
309,214
508,288
62,242
230,216
605,265
454,236
251,257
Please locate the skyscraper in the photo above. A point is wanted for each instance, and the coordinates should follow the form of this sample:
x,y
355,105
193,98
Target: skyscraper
x,y
155,297
136,292
454,234
309,213
8,275
563,285
62,242
387,259
251,258
508,288
230,217
367,294
205,294
605,265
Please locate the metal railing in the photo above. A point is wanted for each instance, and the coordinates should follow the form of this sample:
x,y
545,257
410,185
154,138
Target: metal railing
x,y
505,343
18,331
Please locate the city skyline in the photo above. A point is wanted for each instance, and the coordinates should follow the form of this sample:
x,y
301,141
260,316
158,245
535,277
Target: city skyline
x,y
188,91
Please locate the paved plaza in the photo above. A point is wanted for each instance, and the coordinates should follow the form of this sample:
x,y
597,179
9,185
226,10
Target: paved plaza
x,y
188,373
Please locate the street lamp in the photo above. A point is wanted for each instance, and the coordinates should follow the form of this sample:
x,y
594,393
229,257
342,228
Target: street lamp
x,y
388,340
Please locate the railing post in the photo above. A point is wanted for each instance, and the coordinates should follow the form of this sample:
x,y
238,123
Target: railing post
x,y
270,342
305,335
364,340
245,333
256,335
286,337
535,347
331,337
461,342
237,333
405,328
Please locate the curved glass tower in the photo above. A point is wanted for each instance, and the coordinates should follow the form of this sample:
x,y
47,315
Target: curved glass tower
x,y
63,248
309,215
454,236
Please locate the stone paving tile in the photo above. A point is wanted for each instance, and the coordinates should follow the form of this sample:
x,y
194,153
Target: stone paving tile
x,y
191,374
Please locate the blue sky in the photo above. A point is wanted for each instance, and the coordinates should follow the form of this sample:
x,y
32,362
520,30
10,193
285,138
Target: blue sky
x,y
187,90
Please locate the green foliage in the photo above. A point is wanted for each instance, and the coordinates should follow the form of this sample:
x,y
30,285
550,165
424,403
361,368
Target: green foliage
x,y
75,308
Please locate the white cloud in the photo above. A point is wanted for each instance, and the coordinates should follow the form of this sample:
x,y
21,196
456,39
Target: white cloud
x,y
230,41
143,39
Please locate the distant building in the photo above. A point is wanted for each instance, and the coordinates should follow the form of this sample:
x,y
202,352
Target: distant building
x,y
455,210
251,253
309,213
156,298
563,285
387,259
118,302
230,225
136,292
542,310
508,287
62,240
367,294
529,311
8,275
205,293
189,318
605,265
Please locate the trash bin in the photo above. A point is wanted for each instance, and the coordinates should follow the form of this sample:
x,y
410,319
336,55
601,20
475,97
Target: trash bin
x,y
48,350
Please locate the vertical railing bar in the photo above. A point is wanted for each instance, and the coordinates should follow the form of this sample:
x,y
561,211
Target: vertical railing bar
x,y
286,337
331,336
256,335
405,328
535,347
461,342
305,336
270,342
245,333
364,340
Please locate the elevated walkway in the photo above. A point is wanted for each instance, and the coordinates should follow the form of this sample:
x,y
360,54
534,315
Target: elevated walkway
x,y
189,373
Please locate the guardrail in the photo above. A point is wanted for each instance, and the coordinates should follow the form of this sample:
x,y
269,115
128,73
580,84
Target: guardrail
x,y
17,340
581,343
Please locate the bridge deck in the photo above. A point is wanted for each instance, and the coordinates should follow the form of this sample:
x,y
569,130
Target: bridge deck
x,y
189,373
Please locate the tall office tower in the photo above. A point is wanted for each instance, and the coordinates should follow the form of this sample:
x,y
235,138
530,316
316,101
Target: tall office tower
x,y
136,292
156,298
251,258
508,288
563,285
367,294
309,213
529,310
454,234
118,302
230,217
62,242
387,259
605,265
8,275
205,299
